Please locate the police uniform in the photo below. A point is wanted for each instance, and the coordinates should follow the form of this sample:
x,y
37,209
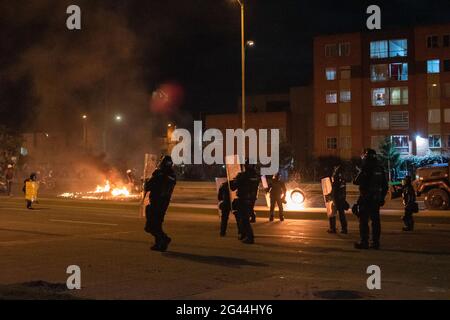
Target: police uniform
x,y
277,193
160,186
338,195
373,188
225,208
409,201
246,184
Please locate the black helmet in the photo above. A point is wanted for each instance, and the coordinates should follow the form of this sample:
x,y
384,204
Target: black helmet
x,y
33,176
369,154
166,162
249,165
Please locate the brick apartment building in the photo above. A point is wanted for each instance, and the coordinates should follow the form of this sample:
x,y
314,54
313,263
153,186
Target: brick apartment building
x,y
373,85
290,112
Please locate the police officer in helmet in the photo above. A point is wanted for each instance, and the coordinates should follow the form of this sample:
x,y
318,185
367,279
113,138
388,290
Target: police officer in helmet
x,y
160,186
373,187
338,195
246,184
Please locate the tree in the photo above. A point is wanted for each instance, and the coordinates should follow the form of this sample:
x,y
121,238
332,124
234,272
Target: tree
x,y
389,157
10,143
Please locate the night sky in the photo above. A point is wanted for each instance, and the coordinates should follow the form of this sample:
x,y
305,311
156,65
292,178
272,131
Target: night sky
x,y
195,43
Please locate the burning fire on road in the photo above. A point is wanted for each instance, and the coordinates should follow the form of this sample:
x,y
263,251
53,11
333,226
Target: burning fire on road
x,y
103,192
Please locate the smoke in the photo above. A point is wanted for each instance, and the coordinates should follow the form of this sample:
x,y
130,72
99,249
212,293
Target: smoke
x,y
73,72
96,71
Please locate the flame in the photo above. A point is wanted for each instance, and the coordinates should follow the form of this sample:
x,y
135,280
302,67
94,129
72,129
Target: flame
x,y
295,200
103,192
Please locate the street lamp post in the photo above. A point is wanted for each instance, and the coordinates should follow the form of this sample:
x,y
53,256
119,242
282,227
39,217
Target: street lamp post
x,y
241,3
85,133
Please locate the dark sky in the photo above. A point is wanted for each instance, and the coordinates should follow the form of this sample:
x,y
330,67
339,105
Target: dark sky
x,y
196,43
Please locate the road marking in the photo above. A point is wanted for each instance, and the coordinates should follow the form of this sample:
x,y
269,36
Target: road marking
x,y
84,222
306,238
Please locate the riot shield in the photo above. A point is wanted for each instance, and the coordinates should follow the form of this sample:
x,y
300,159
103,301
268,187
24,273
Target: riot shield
x,y
265,185
326,191
233,169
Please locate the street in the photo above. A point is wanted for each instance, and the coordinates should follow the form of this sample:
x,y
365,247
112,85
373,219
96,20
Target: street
x,y
296,259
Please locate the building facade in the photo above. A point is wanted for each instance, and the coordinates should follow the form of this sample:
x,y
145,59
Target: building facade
x,y
387,84
290,112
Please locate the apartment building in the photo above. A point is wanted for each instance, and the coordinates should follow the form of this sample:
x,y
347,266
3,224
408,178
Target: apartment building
x,y
369,86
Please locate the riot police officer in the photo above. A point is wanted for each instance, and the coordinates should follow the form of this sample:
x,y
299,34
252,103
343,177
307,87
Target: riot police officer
x,y
246,184
160,186
338,195
277,196
373,187
225,208
409,201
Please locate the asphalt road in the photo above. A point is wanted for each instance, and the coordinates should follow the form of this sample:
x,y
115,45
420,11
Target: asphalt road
x,y
296,259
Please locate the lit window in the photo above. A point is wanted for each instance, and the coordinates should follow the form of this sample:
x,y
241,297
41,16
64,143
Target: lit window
x,y
332,143
331,119
331,50
346,73
401,143
398,48
433,66
399,71
399,120
346,119
434,116
331,97
399,96
380,97
346,96
344,49
379,72
446,41
379,49
331,73
380,120
434,141
432,42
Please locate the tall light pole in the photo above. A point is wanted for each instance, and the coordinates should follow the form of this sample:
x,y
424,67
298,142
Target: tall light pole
x,y
85,133
241,3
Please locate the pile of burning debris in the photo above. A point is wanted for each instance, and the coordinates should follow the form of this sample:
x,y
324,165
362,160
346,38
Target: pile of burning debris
x,y
105,192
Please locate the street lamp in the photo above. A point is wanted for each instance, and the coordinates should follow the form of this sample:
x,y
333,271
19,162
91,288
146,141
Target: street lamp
x,y
118,118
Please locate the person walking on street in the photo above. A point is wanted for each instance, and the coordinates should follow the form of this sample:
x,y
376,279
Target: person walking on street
x,y
277,193
410,204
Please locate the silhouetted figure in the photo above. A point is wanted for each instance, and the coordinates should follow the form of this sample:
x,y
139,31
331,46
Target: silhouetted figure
x,y
246,184
32,178
225,208
277,193
373,187
9,176
409,201
160,186
338,195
